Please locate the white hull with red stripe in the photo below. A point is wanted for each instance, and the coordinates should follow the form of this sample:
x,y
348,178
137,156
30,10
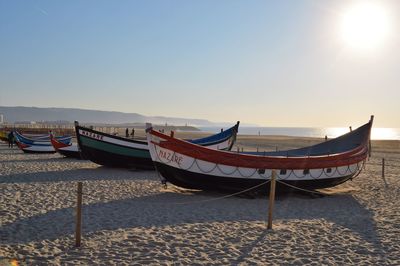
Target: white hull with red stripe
x,y
323,165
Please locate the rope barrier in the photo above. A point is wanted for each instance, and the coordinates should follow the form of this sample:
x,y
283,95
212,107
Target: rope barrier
x,y
302,189
358,170
386,159
223,197
203,201
374,176
389,159
379,164
281,181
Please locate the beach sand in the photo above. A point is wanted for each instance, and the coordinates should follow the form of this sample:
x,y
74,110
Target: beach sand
x,y
130,218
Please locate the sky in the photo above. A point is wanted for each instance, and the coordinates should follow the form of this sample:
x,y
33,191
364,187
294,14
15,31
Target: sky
x,y
270,63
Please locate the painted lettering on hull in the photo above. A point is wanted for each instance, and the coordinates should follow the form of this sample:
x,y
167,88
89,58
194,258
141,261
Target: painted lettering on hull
x,y
91,135
170,156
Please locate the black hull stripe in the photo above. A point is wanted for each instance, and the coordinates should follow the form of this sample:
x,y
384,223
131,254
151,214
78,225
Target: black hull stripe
x,y
44,152
115,160
193,180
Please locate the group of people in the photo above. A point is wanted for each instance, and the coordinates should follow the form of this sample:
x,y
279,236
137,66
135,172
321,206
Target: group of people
x,y
127,133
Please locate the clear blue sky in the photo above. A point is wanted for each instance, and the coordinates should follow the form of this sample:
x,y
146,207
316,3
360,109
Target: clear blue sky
x,y
271,63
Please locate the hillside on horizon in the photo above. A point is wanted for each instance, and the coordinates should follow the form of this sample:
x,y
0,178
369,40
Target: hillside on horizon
x,y
14,114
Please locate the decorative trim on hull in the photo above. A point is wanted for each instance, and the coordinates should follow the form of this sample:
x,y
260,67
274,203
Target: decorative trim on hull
x,y
193,180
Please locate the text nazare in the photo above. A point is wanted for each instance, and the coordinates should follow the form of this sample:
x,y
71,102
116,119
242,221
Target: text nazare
x,y
92,135
169,156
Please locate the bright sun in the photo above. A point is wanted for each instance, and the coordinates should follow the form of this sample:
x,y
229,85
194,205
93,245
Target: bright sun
x,y
365,26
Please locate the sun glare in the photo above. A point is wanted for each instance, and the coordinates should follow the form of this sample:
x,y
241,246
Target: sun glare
x,y
365,26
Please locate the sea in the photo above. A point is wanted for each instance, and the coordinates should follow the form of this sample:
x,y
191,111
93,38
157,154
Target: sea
x,y
379,133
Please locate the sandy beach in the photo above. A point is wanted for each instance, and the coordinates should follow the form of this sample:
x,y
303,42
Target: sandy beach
x,y
129,218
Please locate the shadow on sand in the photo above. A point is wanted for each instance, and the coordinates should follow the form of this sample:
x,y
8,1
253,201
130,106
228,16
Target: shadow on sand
x,y
163,209
44,160
85,174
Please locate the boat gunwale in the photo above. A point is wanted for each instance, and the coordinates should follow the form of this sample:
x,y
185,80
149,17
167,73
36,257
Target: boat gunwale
x,y
230,158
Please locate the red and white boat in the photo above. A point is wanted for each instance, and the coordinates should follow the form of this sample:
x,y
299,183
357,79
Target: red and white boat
x,y
323,165
67,149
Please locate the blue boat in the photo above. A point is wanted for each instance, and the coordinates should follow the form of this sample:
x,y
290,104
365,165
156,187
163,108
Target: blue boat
x,y
30,145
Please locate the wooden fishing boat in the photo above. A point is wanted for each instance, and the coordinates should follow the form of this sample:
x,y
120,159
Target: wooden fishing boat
x,y
40,139
35,148
28,145
323,165
66,149
114,151
4,135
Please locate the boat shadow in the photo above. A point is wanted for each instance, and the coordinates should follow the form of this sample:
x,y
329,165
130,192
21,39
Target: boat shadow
x,y
171,209
80,174
42,160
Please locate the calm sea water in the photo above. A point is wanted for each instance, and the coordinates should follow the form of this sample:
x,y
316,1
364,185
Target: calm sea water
x,y
331,132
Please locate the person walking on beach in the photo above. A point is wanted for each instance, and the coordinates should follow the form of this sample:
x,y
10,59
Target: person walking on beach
x,y
127,133
133,133
10,137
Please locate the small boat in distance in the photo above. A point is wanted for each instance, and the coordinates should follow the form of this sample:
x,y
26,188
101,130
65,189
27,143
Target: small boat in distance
x,y
67,149
39,139
4,135
29,145
114,151
323,165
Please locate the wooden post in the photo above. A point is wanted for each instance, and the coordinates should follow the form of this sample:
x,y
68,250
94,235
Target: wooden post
x,y
383,171
271,199
78,216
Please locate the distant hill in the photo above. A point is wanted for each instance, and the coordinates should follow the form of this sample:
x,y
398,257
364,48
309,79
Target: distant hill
x,y
38,114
